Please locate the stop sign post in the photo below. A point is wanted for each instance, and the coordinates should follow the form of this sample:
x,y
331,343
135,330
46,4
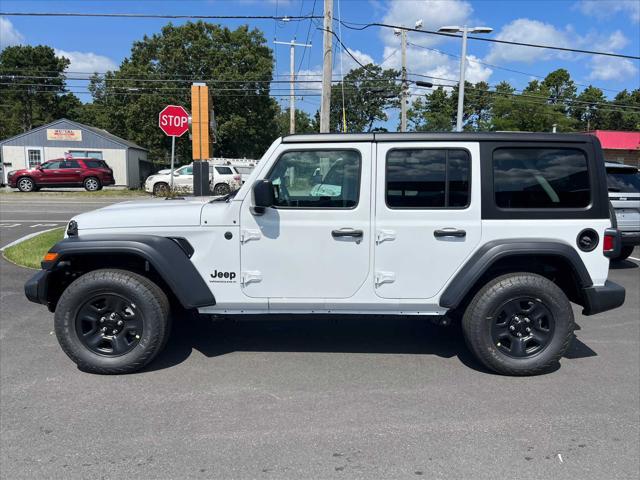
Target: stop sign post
x,y
174,122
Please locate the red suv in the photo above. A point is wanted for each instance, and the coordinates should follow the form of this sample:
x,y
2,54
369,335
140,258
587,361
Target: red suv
x,y
90,173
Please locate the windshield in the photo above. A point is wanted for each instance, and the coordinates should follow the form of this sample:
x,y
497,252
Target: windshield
x,y
623,180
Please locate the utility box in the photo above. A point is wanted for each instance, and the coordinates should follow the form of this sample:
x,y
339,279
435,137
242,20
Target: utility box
x,y
201,179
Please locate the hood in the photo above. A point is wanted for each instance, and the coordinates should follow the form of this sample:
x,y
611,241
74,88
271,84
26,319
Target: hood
x,y
146,213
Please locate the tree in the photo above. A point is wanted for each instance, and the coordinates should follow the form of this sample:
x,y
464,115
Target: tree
x,y
304,123
531,111
624,112
590,110
560,88
368,92
33,89
436,112
237,65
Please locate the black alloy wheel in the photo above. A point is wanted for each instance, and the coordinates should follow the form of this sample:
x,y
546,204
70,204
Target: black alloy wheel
x,y
522,327
109,324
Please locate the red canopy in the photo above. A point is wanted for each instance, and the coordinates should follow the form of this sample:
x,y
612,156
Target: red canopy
x,y
613,140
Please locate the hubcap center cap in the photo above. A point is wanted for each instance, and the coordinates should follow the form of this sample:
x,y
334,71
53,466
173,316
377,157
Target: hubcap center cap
x,y
111,323
520,326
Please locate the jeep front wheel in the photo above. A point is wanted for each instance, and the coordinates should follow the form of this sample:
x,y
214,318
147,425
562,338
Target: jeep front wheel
x,y
519,324
112,321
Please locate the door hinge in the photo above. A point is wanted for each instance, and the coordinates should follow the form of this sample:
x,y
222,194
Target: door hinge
x,y
385,277
250,276
248,235
384,235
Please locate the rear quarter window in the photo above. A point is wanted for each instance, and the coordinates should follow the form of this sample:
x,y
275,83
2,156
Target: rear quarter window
x,y
95,164
541,178
224,170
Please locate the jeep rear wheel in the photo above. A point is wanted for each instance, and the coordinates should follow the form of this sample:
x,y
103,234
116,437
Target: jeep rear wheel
x,y
25,184
625,252
112,321
519,324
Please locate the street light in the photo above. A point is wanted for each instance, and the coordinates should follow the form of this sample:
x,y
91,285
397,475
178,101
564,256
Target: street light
x,y
463,61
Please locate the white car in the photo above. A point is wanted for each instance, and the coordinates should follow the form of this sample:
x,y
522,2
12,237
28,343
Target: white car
x,y
501,232
223,180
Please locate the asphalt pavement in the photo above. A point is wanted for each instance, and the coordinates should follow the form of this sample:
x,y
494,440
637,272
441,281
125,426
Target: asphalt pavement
x,y
315,397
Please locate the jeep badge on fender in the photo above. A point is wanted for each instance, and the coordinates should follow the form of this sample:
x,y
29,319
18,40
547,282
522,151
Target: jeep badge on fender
x,y
499,231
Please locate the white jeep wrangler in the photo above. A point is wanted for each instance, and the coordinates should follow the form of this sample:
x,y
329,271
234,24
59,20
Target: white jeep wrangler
x,y
500,230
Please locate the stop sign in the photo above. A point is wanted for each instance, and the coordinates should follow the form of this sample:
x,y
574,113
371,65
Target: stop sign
x,y
174,120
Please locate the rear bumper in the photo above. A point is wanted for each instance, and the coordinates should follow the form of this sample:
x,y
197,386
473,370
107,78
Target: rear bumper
x,y
37,287
599,299
629,238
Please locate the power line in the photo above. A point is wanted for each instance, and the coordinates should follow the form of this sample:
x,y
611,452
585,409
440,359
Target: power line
x,y
364,26
501,67
282,18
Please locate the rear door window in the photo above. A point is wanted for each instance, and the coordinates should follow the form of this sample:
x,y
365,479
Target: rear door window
x,y
428,178
541,178
95,164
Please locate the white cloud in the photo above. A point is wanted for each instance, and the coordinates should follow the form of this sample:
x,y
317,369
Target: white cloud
x,y
8,34
433,13
87,62
603,10
529,31
348,63
616,41
611,68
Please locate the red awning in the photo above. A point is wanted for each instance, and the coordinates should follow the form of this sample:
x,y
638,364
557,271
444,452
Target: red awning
x,y
613,140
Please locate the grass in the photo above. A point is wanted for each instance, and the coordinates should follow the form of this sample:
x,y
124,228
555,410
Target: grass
x,y
30,252
107,192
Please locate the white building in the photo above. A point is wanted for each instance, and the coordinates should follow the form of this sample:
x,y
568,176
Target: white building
x,y
127,160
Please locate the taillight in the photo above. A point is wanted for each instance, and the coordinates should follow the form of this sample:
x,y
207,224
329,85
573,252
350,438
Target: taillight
x,y
611,243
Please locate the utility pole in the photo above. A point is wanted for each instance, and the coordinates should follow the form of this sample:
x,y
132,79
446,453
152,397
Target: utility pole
x,y
292,88
327,45
403,92
463,62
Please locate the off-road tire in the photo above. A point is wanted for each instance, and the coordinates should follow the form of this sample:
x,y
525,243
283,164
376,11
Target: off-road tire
x,y
625,252
478,318
149,299
221,189
92,184
23,184
161,189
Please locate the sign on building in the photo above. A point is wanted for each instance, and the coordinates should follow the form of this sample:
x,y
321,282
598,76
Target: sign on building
x,y
64,134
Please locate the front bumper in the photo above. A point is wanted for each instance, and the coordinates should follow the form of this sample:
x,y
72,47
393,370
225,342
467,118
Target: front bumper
x,y
599,299
37,287
629,238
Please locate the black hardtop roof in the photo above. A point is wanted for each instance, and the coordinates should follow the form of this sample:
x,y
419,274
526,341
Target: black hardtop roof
x,y
440,137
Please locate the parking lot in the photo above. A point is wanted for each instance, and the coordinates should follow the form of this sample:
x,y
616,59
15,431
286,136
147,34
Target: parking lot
x,y
296,397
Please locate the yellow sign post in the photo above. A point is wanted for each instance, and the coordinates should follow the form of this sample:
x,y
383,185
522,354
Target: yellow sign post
x,y
200,107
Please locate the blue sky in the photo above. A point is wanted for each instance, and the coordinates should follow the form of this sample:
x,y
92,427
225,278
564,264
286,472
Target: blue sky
x,y
98,44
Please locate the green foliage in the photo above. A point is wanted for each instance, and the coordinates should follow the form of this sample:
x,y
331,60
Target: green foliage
x,y
436,112
368,92
304,124
245,113
30,252
33,101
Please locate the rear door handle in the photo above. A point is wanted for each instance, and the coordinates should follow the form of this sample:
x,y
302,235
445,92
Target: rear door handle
x,y
347,232
449,232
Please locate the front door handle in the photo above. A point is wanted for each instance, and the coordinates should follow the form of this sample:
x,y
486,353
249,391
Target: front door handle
x,y
347,232
449,232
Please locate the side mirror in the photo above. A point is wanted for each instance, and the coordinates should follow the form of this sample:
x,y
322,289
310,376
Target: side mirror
x,y
263,196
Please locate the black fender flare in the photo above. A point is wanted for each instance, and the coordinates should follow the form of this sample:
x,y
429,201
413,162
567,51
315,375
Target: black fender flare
x,y
167,256
495,250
